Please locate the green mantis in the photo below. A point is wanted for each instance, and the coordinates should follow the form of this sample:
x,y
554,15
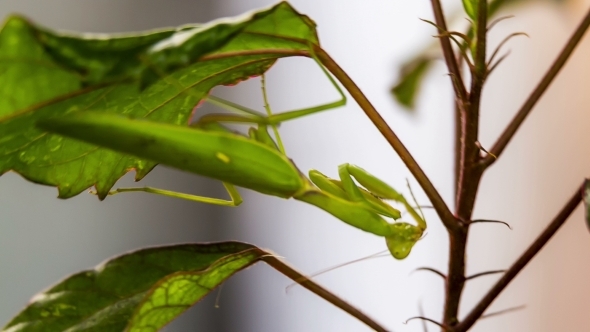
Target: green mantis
x,y
255,162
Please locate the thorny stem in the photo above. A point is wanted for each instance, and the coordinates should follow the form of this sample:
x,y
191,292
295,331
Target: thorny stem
x,y
455,275
526,257
438,203
471,167
469,173
449,54
526,108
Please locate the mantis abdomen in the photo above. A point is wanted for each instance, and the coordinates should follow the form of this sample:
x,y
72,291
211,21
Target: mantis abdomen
x,y
224,156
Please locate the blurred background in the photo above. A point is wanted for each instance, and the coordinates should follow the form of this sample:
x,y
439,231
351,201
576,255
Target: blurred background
x,y
44,239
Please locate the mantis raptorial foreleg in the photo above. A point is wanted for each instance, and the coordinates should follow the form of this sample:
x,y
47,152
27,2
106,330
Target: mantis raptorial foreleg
x,y
401,236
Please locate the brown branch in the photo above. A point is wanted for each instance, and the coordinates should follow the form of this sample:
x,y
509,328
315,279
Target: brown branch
x,y
470,171
320,291
449,54
526,108
455,275
526,257
444,213
469,174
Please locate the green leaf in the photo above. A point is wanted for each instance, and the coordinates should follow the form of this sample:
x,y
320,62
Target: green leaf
x,y
470,7
412,75
406,89
159,75
139,291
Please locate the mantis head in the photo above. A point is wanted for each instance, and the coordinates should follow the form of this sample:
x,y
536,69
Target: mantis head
x,y
403,239
370,197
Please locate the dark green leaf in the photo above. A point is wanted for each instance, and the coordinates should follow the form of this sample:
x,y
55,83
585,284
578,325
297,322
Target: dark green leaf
x,y
412,74
139,291
159,75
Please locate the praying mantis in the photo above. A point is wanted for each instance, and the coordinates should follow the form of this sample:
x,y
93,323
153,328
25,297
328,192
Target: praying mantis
x,y
255,161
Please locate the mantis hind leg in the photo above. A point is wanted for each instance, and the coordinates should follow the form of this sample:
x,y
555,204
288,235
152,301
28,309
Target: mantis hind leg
x,y
235,197
248,115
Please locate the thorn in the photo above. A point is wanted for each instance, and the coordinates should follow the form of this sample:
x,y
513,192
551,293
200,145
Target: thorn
x,y
495,65
503,42
431,23
428,320
498,20
505,311
477,275
431,270
479,146
491,221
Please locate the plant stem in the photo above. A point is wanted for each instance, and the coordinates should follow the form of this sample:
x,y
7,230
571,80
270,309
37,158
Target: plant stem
x,y
455,275
444,213
449,54
469,174
526,108
305,282
526,257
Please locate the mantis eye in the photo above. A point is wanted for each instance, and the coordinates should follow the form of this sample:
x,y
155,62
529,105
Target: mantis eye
x,y
403,239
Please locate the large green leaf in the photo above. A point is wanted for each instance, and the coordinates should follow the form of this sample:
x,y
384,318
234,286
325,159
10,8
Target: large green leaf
x,y
140,291
159,75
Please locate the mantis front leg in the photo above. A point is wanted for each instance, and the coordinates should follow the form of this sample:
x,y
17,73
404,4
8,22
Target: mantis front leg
x,y
400,237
